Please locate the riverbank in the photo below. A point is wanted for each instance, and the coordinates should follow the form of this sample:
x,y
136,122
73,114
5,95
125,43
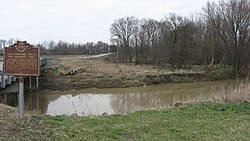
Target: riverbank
x,y
204,121
76,74
226,117
210,121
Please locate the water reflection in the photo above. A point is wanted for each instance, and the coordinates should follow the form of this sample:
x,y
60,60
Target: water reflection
x,y
82,104
125,100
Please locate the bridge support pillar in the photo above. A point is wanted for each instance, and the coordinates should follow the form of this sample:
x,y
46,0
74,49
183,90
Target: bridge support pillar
x,y
9,80
30,82
37,83
5,99
2,78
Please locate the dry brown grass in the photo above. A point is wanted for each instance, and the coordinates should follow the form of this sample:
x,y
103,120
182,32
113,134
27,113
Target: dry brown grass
x,y
12,128
240,94
101,67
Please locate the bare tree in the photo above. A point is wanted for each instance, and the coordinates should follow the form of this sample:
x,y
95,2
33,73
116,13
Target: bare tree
x,y
231,21
178,39
122,31
150,32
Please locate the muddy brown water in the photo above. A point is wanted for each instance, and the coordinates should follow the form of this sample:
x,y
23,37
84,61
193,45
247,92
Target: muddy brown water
x,y
122,100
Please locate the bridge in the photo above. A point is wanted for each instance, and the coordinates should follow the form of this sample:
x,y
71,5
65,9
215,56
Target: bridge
x,y
9,84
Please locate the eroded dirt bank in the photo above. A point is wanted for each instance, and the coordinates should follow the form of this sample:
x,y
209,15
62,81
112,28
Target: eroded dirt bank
x,y
72,73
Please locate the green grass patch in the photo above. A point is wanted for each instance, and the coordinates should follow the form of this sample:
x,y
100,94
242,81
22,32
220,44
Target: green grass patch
x,y
208,121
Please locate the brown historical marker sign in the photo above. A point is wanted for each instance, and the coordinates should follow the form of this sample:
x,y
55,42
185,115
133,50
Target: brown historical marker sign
x,y
22,59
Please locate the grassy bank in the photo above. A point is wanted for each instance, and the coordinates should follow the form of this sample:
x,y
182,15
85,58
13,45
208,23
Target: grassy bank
x,y
227,119
204,121
207,121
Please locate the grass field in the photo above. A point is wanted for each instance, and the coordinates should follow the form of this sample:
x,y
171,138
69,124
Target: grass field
x,y
207,121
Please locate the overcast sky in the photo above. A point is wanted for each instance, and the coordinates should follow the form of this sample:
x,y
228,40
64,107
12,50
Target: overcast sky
x,y
80,21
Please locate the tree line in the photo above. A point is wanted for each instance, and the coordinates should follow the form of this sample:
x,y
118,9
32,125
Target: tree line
x,y
220,34
66,48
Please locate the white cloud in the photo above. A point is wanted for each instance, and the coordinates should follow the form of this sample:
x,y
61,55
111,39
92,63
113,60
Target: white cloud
x,y
80,20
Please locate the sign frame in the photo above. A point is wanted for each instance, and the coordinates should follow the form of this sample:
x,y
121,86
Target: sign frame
x,y
19,53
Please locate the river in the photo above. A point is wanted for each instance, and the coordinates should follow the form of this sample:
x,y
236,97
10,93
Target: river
x,y
122,100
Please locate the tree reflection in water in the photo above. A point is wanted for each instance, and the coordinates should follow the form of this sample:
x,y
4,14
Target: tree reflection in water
x,y
110,101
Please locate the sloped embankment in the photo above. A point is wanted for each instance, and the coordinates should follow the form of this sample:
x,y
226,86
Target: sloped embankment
x,y
68,74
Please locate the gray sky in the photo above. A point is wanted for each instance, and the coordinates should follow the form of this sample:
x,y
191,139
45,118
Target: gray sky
x,y
80,21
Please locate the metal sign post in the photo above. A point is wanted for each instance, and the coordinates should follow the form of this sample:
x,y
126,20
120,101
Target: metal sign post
x,y
21,97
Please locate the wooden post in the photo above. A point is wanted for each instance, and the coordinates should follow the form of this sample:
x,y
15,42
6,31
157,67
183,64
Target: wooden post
x,y
21,97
